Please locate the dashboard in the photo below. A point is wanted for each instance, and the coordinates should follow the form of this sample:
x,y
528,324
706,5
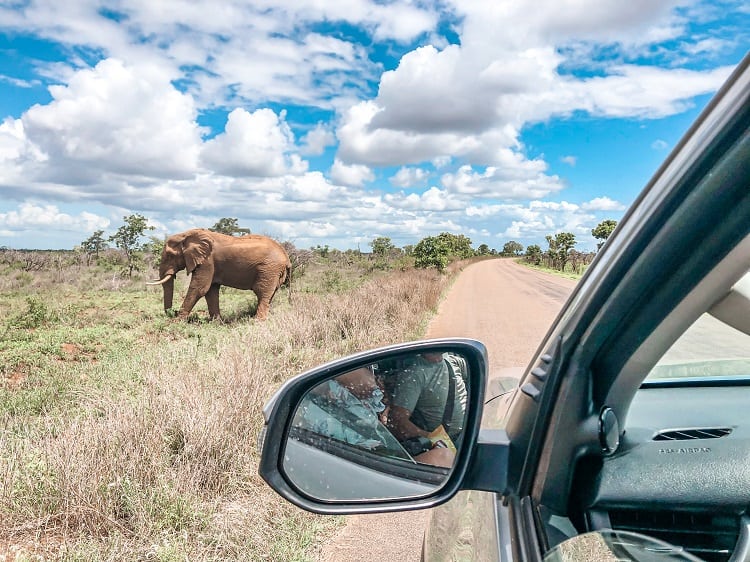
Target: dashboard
x,y
682,471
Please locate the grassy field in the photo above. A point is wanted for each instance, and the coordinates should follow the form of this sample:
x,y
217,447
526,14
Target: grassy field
x,y
128,435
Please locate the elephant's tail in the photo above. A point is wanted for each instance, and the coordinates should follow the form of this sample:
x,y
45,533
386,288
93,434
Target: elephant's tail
x,y
288,280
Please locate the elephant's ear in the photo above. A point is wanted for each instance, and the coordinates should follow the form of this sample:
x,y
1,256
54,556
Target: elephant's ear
x,y
196,248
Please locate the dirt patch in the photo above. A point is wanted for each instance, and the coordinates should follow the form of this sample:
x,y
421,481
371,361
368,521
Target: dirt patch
x,y
16,378
71,350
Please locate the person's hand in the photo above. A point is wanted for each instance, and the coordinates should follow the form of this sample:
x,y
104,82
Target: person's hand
x,y
440,438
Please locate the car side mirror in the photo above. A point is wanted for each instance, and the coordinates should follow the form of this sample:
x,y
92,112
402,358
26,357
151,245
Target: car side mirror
x,y
388,429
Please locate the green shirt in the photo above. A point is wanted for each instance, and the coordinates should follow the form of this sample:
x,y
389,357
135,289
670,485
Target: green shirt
x,y
422,389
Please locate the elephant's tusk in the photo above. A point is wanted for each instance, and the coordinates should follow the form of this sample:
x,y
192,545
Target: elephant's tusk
x,y
167,277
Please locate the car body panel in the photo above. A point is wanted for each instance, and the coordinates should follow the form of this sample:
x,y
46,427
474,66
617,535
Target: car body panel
x,y
466,528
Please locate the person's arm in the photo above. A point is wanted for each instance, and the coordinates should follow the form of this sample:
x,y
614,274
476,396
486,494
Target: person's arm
x,y
401,426
438,456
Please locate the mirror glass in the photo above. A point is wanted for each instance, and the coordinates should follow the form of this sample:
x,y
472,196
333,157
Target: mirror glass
x,y
382,430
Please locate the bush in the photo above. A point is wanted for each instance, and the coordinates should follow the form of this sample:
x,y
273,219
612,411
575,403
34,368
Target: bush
x,y
35,315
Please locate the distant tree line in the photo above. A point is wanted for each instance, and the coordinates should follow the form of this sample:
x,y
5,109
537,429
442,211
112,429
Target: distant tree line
x,y
438,251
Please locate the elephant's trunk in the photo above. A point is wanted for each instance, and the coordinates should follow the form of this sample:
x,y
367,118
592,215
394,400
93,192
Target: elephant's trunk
x,y
168,287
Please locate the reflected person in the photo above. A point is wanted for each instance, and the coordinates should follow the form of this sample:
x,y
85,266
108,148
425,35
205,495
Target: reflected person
x,y
346,408
428,401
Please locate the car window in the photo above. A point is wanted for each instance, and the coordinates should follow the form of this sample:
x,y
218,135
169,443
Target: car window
x,y
333,413
709,348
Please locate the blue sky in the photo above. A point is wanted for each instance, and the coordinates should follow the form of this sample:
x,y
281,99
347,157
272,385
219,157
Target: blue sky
x,y
333,123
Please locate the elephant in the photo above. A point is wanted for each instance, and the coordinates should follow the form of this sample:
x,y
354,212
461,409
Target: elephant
x,y
212,259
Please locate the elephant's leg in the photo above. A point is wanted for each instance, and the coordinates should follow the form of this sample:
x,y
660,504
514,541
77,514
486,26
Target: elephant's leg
x,y
264,304
200,285
265,288
212,299
188,303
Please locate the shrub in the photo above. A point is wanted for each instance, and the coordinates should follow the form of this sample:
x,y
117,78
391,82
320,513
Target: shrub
x,y
35,315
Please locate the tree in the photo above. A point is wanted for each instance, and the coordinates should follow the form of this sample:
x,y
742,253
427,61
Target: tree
x,y
94,244
559,248
483,250
229,226
436,251
382,246
431,252
602,231
534,254
154,247
512,248
127,238
458,245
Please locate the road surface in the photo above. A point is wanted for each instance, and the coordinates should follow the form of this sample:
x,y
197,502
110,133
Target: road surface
x,y
509,308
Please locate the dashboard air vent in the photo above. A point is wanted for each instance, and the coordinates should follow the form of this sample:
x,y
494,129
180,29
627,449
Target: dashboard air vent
x,y
694,433
709,536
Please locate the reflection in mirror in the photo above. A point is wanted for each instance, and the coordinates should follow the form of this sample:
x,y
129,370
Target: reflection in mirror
x,y
380,431
617,546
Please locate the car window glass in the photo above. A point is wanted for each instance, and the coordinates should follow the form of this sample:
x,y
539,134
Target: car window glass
x,y
709,348
332,411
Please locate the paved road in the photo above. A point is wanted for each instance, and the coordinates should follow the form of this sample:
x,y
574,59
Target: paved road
x,y
509,308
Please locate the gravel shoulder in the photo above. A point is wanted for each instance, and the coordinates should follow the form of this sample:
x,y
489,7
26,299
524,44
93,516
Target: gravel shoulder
x,y
509,308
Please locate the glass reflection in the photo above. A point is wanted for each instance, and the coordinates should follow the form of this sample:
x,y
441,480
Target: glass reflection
x,y
388,429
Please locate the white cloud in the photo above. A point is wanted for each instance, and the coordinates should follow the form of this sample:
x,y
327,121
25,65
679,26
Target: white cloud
x,y
433,199
360,142
431,92
116,118
408,177
251,51
706,46
317,140
253,144
514,178
659,144
33,216
441,161
569,160
470,101
603,204
531,222
638,91
353,175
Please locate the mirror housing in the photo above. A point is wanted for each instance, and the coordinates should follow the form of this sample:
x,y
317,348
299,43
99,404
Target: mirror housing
x,y
281,410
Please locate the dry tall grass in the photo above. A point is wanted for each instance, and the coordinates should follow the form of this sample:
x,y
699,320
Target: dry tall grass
x,y
156,458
